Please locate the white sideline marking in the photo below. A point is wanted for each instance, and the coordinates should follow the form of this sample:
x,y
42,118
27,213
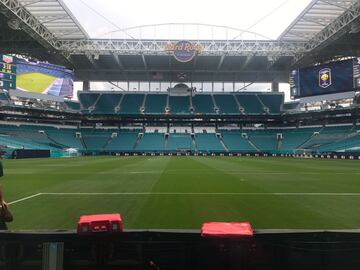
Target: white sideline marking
x,y
203,193
25,198
184,193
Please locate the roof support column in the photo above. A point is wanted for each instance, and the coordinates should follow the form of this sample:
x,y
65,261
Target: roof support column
x,y
275,86
86,85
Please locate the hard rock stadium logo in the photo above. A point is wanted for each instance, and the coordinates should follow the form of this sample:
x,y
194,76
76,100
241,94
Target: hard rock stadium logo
x,y
325,77
184,51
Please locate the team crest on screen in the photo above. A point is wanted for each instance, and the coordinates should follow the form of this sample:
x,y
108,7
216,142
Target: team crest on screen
x,y
8,59
325,77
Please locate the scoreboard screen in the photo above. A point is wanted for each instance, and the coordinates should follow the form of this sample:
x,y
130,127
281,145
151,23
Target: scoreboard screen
x,y
7,72
334,77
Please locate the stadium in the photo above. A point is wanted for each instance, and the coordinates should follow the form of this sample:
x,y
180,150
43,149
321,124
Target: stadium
x,y
222,143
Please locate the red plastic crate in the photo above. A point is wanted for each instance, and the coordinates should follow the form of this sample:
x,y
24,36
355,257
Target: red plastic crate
x,y
226,229
103,223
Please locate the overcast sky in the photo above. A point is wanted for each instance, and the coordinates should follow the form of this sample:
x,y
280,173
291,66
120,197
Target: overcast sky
x,y
101,18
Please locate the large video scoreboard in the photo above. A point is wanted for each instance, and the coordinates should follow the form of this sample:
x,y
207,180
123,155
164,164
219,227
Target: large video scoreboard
x,y
331,78
7,72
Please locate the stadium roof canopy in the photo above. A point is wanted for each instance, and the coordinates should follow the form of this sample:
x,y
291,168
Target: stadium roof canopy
x,y
60,31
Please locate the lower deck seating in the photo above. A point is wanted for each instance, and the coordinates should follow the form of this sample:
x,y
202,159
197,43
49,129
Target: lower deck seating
x,y
208,142
265,141
125,141
151,142
282,140
95,140
234,142
178,141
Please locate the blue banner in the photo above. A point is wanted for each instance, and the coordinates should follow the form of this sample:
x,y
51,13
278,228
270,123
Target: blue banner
x,y
334,77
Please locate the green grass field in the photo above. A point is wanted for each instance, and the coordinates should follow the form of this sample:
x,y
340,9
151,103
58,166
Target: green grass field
x,y
184,192
34,82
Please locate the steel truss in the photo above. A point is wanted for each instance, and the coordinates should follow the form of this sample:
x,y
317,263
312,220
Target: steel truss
x,y
335,27
36,29
32,25
157,47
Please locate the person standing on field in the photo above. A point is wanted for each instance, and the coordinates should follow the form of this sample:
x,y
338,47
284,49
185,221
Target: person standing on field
x,y
5,214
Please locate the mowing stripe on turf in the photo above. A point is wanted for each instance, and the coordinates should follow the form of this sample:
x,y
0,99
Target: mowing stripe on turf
x,y
204,193
25,198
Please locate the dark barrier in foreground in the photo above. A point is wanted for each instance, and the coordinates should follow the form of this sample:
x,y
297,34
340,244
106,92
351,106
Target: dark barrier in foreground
x,y
180,250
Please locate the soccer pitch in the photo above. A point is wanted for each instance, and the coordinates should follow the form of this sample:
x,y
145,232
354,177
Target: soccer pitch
x,y
34,81
183,192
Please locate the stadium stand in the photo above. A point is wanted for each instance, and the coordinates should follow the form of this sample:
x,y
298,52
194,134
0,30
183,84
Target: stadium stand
x,y
250,103
208,142
88,100
101,140
95,140
66,137
203,104
179,105
151,142
125,140
178,142
4,98
131,104
140,103
236,143
107,103
155,103
293,139
265,140
226,104
72,105
272,102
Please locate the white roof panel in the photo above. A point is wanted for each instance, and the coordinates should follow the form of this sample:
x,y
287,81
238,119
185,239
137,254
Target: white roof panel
x,y
56,17
315,17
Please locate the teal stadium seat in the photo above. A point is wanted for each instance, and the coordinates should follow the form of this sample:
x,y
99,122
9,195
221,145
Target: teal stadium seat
x,y
151,142
203,104
250,103
107,103
72,105
272,101
155,103
208,142
234,142
264,140
226,104
179,105
178,141
131,104
125,141
95,140
66,137
87,99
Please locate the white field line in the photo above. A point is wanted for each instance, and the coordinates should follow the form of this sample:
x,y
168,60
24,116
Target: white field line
x,y
187,193
25,198
206,193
